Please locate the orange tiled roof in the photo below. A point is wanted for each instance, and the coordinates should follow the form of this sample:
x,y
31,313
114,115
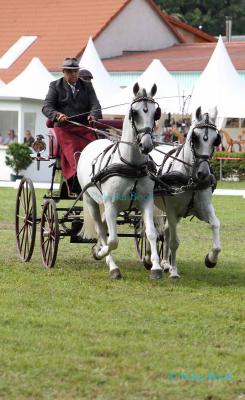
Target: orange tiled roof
x,y
182,57
63,28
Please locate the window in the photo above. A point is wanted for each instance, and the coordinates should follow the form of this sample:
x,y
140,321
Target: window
x,y
8,120
30,122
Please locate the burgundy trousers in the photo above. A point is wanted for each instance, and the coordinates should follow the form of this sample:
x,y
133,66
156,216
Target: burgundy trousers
x,y
72,140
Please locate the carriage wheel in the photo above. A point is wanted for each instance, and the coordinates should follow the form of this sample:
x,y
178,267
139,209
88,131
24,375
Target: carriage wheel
x,y
141,243
140,239
50,236
25,219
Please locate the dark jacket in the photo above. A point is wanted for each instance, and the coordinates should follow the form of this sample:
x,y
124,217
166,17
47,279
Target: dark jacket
x,y
61,100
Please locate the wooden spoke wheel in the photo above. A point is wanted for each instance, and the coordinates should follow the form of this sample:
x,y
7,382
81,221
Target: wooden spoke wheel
x,y
142,245
25,219
49,229
140,239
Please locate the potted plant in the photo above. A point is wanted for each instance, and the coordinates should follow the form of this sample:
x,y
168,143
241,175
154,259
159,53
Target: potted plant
x,y
18,157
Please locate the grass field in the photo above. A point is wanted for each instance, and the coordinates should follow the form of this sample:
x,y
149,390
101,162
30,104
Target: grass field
x,y
73,333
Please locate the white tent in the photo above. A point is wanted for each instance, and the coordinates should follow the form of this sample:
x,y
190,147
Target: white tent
x,y
219,85
103,84
31,83
168,93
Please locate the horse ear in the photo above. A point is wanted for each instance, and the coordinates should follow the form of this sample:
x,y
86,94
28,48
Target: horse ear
x,y
136,88
199,113
153,90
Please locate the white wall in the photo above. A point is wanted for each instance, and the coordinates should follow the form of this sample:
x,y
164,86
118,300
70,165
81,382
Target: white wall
x,y
22,106
138,21
43,175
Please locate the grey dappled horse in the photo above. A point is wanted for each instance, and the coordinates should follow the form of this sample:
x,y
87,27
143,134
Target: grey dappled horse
x,y
117,171
191,170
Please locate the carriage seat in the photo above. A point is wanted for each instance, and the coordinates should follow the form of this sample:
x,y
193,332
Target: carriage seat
x,y
54,147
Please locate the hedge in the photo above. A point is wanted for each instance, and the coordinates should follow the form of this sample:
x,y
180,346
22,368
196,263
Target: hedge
x,y
229,167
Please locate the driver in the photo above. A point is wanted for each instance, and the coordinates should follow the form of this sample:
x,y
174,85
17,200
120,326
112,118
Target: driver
x,y
67,97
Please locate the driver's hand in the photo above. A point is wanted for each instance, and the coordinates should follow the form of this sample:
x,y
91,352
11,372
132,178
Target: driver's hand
x,y
91,118
61,117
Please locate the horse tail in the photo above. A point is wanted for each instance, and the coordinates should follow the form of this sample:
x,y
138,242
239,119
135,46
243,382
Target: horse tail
x,y
88,230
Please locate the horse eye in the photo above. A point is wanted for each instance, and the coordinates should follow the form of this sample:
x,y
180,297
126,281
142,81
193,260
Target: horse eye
x,y
195,137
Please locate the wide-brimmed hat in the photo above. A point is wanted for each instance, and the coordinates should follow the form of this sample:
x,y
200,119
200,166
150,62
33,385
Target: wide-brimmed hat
x,y
85,73
70,63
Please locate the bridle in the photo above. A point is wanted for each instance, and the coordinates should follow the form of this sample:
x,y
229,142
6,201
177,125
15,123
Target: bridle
x,y
207,125
199,158
140,133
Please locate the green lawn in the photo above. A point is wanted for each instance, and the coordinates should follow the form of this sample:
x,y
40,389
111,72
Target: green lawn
x,y
231,185
73,333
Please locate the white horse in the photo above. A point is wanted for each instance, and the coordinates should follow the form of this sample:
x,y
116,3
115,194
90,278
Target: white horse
x,y
119,174
189,172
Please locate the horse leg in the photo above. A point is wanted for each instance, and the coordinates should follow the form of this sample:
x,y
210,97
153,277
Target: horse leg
x,y
151,234
92,208
147,257
212,257
165,263
173,244
112,240
101,249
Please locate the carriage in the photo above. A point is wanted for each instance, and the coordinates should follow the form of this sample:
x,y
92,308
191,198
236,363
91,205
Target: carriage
x,y
129,169
57,221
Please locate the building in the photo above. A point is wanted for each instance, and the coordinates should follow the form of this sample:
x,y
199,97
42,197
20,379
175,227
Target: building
x,y
53,31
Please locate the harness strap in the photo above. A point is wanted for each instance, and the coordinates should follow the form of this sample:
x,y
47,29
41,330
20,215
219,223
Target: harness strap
x,y
132,198
174,158
177,151
127,162
117,169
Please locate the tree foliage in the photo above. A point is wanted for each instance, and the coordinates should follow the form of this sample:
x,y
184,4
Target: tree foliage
x,y
210,14
18,157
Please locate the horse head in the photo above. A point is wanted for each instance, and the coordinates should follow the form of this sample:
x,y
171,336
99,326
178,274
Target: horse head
x,y
144,111
203,137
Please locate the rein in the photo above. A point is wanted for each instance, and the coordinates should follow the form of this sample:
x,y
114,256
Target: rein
x,y
96,130
173,157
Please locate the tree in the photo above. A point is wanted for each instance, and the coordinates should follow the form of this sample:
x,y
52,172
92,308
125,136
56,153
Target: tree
x,y
210,14
18,157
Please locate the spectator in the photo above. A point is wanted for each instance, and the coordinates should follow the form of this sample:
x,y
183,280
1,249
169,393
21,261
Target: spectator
x,y
11,138
168,135
28,139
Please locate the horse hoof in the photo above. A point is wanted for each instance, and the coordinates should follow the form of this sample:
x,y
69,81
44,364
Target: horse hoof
x,y
174,276
165,266
146,264
156,274
208,263
94,252
173,273
115,273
